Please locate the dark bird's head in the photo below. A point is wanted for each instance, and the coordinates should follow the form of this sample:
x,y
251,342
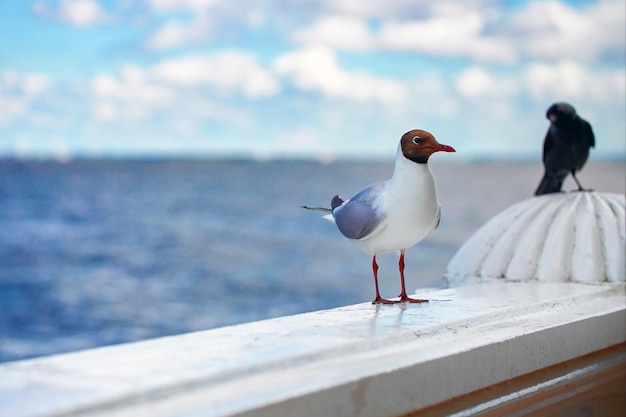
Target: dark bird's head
x,y
561,112
418,145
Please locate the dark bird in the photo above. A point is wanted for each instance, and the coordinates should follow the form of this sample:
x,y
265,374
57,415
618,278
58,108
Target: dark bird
x,y
393,215
565,148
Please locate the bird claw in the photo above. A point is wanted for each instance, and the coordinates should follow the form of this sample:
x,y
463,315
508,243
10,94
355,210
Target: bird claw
x,y
405,299
380,300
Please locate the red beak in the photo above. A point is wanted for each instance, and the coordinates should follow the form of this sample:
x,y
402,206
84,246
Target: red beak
x,y
444,148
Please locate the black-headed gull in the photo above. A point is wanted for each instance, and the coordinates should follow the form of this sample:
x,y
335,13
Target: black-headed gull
x,y
394,215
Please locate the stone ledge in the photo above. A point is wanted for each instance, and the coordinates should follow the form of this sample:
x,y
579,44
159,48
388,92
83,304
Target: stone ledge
x,y
360,360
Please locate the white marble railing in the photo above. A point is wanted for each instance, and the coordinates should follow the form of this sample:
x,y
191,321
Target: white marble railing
x,y
360,360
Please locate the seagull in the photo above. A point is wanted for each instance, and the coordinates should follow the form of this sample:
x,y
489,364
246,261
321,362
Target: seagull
x,y
393,215
565,148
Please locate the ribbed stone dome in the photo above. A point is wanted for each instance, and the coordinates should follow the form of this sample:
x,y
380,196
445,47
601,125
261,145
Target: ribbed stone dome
x,y
576,236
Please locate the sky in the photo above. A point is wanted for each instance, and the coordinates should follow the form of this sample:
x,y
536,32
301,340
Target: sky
x,y
318,79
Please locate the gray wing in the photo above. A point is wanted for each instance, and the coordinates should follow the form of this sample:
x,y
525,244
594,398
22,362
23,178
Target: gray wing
x,y
357,218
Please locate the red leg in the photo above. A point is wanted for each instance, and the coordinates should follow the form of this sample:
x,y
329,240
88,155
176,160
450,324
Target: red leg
x,y
403,297
378,299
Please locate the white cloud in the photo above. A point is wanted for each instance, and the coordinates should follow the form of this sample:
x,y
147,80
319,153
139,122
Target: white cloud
x,y
474,82
12,108
130,95
360,8
82,12
562,80
553,30
449,29
338,32
131,85
105,111
165,6
18,92
399,9
449,35
537,85
480,30
173,34
75,12
33,84
478,82
315,68
227,72
569,80
137,93
433,95
540,29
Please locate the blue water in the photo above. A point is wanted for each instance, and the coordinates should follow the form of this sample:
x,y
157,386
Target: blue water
x,y
95,253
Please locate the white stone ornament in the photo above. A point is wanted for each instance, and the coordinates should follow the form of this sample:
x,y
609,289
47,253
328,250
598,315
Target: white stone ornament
x,y
561,237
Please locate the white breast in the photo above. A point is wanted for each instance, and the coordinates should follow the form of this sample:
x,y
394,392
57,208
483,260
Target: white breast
x,y
411,209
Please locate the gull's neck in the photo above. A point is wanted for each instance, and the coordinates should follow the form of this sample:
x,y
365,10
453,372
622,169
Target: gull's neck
x,y
411,174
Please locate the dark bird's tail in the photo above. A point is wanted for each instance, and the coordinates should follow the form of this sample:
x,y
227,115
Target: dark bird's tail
x,y
550,183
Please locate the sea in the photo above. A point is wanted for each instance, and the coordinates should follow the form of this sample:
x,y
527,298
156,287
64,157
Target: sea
x,y
102,252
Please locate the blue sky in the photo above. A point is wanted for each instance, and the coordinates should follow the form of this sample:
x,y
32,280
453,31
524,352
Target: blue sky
x,y
303,78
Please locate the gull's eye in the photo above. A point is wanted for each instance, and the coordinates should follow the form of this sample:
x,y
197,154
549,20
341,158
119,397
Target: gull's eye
x,y
417,140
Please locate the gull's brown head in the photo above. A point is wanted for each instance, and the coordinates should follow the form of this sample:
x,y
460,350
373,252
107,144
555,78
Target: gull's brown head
x,y
418,145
